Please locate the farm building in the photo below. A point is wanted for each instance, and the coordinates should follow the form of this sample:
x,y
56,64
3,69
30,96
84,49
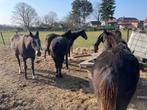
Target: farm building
x,y
127,22
145,22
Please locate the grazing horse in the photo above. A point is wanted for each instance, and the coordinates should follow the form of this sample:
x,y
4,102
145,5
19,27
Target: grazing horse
x,y
50,37
107,43
26,46
115,76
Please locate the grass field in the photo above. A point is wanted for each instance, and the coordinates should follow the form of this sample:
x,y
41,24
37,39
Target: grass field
x,y
80,42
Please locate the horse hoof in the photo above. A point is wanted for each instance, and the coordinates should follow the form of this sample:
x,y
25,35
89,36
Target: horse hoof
x,y
60,76
20,71
57,76
34,77
26,78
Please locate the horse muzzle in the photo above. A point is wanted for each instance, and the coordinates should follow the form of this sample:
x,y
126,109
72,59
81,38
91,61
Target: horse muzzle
x,y
38,53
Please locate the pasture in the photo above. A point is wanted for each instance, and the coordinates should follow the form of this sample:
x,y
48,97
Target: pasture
x,y
72,92
92,36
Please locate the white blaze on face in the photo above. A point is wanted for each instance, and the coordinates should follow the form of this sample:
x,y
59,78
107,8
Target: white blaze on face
x,y
37,44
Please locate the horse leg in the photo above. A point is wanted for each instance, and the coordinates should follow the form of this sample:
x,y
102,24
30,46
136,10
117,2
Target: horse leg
x,y
61,60
25,68
66,60
33,73
45,53
56,65
123,101
17,57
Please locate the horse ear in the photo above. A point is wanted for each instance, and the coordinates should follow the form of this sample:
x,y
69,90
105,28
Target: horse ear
x,y
37,33
104,30
31,34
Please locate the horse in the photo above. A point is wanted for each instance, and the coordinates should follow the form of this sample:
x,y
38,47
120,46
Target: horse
x,y
107,43
26,46
58,49
115,75
50,37
72,36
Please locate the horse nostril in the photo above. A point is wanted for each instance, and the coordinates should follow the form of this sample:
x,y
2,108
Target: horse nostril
x,y
39,54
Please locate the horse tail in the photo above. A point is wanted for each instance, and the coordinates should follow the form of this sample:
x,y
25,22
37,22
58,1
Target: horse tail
x,y
109,93
66,59
106,91
110,97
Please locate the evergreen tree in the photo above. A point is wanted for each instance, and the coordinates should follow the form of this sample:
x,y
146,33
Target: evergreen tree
x,y
81,9
107,9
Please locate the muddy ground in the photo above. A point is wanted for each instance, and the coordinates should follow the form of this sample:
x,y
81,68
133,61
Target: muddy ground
x,y
72,92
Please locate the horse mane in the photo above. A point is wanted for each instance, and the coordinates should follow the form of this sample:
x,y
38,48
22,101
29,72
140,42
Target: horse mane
x,y
110,37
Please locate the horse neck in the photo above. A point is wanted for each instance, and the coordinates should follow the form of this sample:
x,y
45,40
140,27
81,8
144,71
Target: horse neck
x,y
112,41
97,43
75,35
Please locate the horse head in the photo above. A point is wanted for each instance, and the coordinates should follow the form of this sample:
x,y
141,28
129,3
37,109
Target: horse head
x,y
36,44
83,34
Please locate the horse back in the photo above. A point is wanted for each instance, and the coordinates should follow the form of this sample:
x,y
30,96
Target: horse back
x,y
16,41
115,76
59,45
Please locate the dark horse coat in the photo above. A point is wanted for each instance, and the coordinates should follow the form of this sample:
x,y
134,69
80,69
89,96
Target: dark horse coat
x,y
50,37
115,76
71,36
58,49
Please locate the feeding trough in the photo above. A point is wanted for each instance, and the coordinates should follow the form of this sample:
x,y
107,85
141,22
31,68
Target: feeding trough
x,y
138,43
89,62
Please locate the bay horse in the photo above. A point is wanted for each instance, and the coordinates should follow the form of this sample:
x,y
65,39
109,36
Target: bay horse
x,y
115,75
26,46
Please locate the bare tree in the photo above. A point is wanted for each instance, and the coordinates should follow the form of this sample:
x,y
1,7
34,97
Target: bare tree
x,y
24,15
96,11
50,19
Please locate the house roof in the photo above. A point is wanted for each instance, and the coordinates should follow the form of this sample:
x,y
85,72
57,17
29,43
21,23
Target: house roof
x,y
127,19
145,21
95,22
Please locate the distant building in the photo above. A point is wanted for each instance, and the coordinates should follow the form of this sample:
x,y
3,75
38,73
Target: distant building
x,y
94,23
127,22
145,23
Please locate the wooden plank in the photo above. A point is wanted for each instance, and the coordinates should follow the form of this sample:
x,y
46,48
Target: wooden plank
x,y
2,38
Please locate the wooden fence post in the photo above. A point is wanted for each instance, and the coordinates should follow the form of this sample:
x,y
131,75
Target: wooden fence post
x,y
2,38
128,34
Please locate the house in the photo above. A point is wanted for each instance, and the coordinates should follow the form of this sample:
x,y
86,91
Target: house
x,y
145,23
94,23
127,22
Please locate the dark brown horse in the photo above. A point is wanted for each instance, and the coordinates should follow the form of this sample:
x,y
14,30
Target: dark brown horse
x,y
115,76
60,47
50,37
107,43
74,36
26,46
69,35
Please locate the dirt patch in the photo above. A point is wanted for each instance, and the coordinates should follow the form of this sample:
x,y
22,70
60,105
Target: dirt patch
x,y
72,92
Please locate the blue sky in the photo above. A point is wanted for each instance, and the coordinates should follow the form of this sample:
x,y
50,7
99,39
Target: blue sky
x,y
128,8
